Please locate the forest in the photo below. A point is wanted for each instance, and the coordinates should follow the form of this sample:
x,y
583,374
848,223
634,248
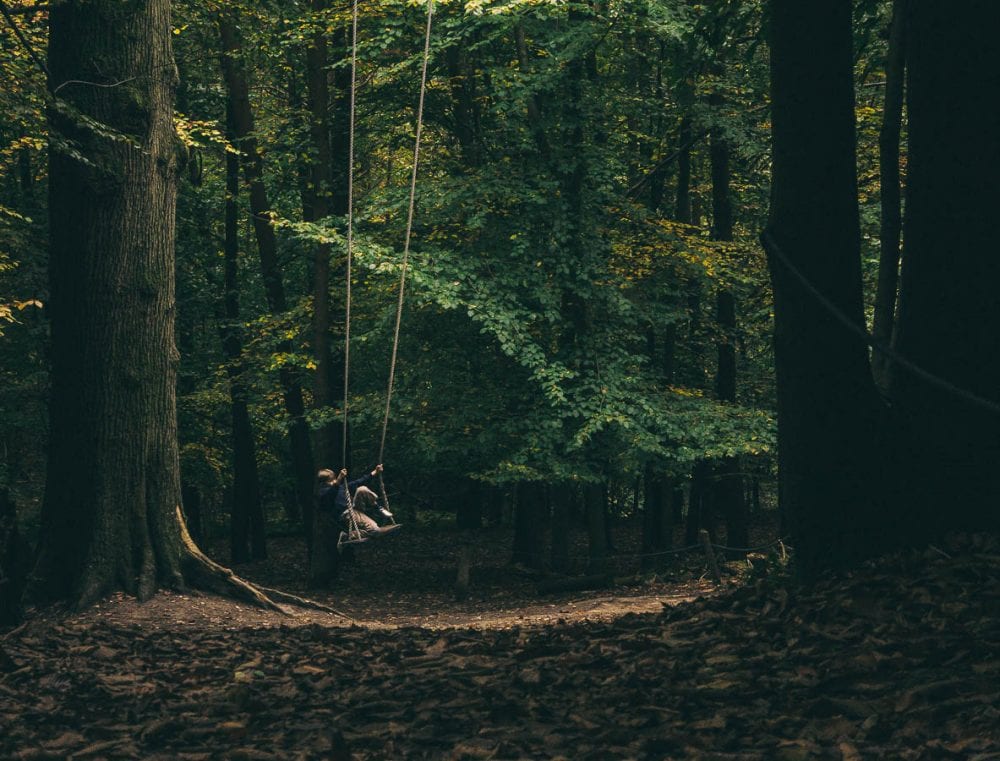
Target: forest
x,y
657,337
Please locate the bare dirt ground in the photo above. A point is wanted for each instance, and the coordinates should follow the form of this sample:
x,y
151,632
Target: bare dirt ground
x,y
899,660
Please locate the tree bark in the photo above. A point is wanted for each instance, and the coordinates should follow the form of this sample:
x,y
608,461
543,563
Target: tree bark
x,y
949,313
700,507
728,484
317,205
534,108
890,193
527,534
828,409
465,111
247,515
469,511
12,561
267,248
655,521
562,494
111,517
682,199
597,536
113,481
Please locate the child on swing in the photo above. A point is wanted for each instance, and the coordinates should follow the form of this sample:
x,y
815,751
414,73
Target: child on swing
x,y
332,496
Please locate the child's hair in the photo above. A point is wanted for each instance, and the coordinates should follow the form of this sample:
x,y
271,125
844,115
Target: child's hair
x,y
324,476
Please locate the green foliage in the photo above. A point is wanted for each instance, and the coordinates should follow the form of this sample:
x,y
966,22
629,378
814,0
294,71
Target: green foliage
x,y
558,323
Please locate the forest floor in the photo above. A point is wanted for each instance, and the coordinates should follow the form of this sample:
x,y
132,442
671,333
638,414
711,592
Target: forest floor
x,y
899,660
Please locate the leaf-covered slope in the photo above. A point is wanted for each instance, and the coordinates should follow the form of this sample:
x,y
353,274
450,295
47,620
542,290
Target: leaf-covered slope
x,y
897,661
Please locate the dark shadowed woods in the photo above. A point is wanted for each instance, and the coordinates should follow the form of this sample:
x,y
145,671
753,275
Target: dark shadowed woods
x,y
673,325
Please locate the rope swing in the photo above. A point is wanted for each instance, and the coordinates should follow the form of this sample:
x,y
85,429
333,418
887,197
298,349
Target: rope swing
x,y
409,225
354,535
350,222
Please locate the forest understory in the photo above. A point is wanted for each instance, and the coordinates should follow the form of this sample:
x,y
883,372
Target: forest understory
x,y
897,660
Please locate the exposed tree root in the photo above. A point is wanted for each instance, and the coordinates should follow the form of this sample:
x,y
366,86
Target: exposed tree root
x,y
302,602
204,573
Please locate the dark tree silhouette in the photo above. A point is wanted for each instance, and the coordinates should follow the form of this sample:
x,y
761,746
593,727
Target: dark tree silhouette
x,y
112,517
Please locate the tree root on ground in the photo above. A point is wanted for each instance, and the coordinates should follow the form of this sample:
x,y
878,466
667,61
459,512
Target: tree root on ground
x,y
204,573
302,602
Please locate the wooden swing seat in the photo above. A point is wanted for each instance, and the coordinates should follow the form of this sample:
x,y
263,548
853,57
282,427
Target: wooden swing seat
x,y
352,537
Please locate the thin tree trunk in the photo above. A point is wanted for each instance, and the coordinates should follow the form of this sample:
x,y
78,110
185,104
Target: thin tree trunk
x,y
653,540
533,106
890,192
462,80
658,519
559,554
682,204
728,485
677,504
247,515
469,511
267,248
12,561
657,178
699,515
527,536
597,536
316,207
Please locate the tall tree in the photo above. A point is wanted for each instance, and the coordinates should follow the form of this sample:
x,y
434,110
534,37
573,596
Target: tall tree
x,y
828,410
317,205
949,315
729,483
11,560
247,537
890,192
238,91
111,515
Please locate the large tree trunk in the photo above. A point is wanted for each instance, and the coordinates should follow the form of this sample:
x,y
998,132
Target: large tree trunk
x,y
113,485
110,514
267,248
890,193
949,313
111,518
827,404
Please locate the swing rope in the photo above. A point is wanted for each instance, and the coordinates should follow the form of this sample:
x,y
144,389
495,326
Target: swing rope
x,y
409,231
354,531
350,223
